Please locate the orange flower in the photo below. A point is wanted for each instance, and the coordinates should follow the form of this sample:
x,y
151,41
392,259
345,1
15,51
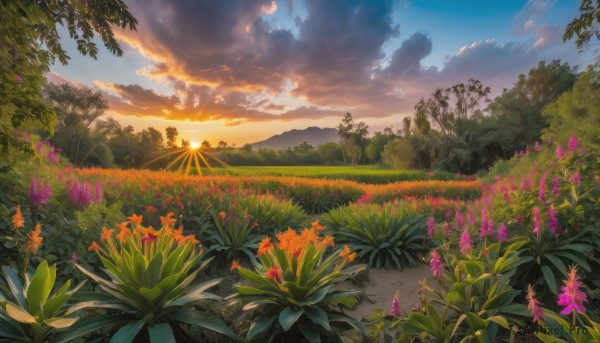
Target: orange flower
x,y
34,240
168,219
123,233
123,226
106,234
274,273
17,220
351,257
345,252
94,247
327,241
309,236
147,231
136,219
235,265
192,239
317,226
265,246
221,215
178,235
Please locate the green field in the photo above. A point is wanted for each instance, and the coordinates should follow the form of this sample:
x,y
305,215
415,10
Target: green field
x,y
364,174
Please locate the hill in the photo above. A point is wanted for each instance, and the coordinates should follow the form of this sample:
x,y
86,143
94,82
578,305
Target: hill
x,y
312,135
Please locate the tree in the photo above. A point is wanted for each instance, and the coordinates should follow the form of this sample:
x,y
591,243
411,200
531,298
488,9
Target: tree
x,y
171,133
330,153
353,139
586,26
222,145
185,144
30,41
205,145
399,154
344,130
378,143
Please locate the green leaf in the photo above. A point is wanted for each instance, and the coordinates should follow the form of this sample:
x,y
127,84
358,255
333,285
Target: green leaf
x,y
84,327
15,285
127,333
161,333
550,280
500,300
61,323
204,320
318,316
19,314
288,316
309,331
150,294
39,288
261,324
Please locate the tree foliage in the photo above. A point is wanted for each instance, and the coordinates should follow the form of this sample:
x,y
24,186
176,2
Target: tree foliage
x,y
586,26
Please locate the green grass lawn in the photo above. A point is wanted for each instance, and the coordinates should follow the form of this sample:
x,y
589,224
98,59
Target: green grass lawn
x,y
365,174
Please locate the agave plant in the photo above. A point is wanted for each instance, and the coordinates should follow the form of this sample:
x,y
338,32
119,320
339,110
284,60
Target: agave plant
x,y
150,276
31,312
296,288
232,235
381,235
271,214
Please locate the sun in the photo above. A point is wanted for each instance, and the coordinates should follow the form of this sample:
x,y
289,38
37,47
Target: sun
x,y
195,145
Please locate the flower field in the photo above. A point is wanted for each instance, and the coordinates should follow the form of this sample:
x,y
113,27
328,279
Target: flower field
x,y
280,253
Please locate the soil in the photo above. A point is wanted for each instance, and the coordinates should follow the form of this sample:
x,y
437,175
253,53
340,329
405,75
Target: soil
x,y
381,285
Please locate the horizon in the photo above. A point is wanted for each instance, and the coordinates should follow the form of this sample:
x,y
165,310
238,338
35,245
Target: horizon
x,y
246,71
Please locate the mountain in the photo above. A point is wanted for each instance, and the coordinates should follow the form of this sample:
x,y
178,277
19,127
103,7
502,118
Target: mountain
x,y
312,135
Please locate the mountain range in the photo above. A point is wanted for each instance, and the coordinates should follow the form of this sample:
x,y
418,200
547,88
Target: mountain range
x,y
312,135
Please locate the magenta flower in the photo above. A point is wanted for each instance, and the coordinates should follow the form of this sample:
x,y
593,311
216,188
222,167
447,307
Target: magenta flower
x,y
555,186
537,147
502,233
19,79
553,220
559,151
527,151
542,190
519,218
436,264
39,192
460,219
471,217
534,306
575,178
150,238
430,227
395,311
573,142
74,258
572,298
537,223
466,243
447,229
99,192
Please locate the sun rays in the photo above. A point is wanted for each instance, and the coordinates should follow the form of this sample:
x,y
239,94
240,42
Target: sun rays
x,y
188,160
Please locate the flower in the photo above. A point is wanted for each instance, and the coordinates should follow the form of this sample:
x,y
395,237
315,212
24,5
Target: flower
x,y
19,79
34,240
149,238
447,229
106,234
395,311
430,227
534,306
555,186
74,257
235,265
328,241
465,243
573,142
559,151
346,254
435,264
39,192
17,220
222,215
317,226
572,298
575,178
94,247
265,246
274,273
136,219
537,224
151,209
537,147
542,190
168,219
502,233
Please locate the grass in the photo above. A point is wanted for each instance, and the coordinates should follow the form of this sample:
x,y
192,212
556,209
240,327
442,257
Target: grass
x,y
363,174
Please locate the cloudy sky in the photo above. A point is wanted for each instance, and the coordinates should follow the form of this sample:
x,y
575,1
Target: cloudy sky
x,y
243,70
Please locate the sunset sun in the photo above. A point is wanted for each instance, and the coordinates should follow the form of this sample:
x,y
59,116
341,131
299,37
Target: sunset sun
x,y
195,145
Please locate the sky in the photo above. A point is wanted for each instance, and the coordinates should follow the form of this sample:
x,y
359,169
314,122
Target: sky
x,y
242,71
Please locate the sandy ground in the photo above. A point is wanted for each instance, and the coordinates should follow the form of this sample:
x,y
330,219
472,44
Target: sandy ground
x,y
381,285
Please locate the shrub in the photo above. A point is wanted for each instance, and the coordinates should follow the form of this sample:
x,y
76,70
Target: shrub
x,y
297,289
271,214
382,235
150,273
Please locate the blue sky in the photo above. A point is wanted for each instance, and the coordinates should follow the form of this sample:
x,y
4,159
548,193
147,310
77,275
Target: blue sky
x,y
244,70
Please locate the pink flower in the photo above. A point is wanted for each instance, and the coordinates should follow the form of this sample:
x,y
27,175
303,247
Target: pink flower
x,y
430,227
502,233
537,224
555,186
534,306
447,229
435,264
19,79
575,178
395,311
74,257
465,243
150,238
39,192
572,298
573,142
519,218
537,147
460,219
553,221
471,217
559,151
542,190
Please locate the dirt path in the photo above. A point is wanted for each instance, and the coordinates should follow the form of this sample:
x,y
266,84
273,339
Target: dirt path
x,y
381,285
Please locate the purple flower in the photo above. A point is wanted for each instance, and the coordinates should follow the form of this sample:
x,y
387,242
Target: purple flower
x,y
559,151
537,147
486,226
555,186
572,298
575,178
542,191
430,227
395,311
502,233
52,156
74,257
435,264
460,219
80,194
39,192
573,142
447,229
98,193
519,218
466,243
